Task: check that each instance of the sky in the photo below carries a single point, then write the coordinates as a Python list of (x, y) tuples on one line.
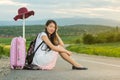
[(48, 9)]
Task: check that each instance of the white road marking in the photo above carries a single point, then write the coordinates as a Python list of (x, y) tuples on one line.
[(101, 63)]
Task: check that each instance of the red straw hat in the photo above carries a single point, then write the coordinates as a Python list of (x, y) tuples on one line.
[(23, 11)]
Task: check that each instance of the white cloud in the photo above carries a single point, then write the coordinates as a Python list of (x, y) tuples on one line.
[(113, 1), (88, 10), (10, 2), (109, 12)]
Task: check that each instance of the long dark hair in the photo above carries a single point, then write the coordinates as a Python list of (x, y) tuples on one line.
[(53, 38)]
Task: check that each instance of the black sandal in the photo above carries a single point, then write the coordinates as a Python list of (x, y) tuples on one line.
[(79, 68)]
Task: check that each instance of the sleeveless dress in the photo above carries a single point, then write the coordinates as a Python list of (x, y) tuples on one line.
[(44, 58)]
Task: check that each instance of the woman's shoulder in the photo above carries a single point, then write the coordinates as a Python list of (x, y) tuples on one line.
[(42, 33)]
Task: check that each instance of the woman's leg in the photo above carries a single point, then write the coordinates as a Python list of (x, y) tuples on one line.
[(69, 59)]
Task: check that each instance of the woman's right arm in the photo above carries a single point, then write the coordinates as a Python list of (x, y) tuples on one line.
[(55, 48)]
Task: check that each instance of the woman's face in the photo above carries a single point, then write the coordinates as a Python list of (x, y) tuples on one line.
[(51, 28)]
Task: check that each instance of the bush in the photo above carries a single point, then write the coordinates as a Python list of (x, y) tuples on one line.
[(77, 41), (103, 37), (1, 50), (117, 37), (110, 38), (6, 50), (88, 39)]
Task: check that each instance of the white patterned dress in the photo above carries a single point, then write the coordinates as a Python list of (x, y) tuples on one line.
[(45, 59)]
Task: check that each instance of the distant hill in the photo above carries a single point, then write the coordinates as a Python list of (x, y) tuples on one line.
[(91, 21), (66, 21)]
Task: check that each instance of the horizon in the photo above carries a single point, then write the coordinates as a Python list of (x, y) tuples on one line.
[(65, 22)]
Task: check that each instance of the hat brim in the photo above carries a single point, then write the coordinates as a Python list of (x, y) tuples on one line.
[(27, 14)]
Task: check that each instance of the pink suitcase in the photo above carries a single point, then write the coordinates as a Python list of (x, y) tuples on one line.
[(17, 53)]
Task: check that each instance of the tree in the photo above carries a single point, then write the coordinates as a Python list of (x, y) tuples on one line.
[(88, 39)]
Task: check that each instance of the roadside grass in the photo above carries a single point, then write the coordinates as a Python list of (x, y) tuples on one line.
[(5, 41), (71, 39), (105, 49), (4, 50)]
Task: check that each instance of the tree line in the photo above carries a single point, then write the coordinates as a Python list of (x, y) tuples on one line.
[(103, 37), (69, 30)]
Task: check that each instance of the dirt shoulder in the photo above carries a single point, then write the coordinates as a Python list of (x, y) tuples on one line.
[(4, 66)]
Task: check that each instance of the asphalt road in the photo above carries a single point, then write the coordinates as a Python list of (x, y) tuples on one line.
[(99, 68)]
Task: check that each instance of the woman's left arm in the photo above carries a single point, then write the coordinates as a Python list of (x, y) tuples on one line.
[(60, 40)]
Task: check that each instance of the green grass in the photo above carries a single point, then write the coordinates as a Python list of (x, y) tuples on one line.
[(106, 49), (6, 41), (66, 40), (71, 39)]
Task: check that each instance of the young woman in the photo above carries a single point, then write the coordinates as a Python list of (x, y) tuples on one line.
[(46, 56)]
